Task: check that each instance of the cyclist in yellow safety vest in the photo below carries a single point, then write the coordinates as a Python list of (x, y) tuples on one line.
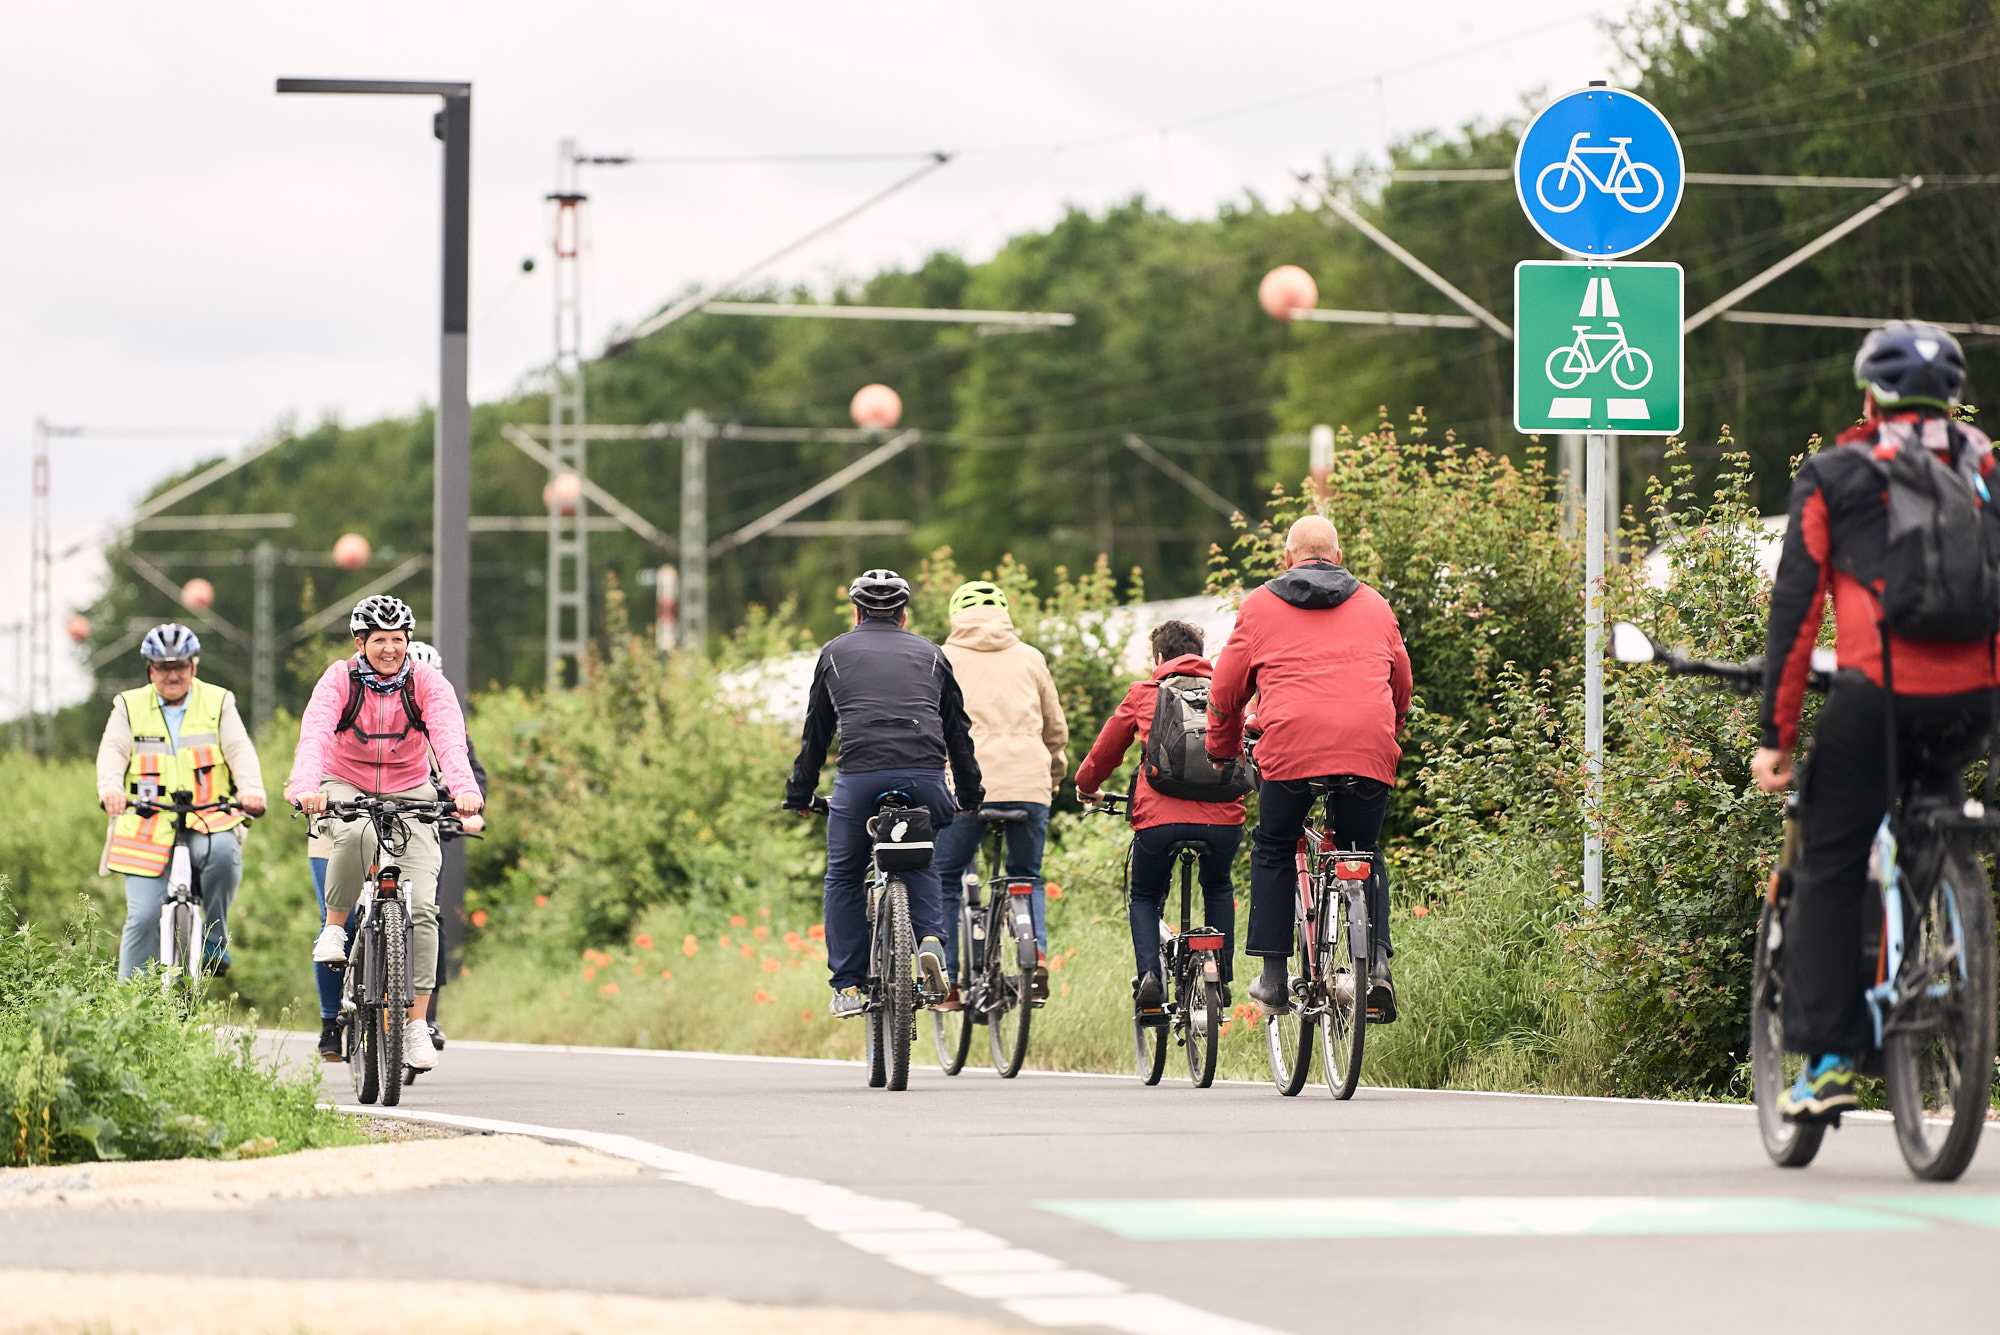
[(175, 733)]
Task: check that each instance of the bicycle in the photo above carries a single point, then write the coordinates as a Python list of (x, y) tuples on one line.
[(1622, 182), (1568, 366), (1928, 978), (894, 990), (183, 928), (378, 987), (994, 984), (1191, 961), (1335, 943)]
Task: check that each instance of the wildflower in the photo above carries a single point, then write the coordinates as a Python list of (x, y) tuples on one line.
[(1065, 990), (666, 975), (749, 951), (760, 931), (1053, 890), (479, 917), (689, 945), (806, 1015), (794, 940), (763, 998), (723, 940), (589, 972), (737, 920), (771, 965), (1056, 963), (817, 931), (608, 990), (764, 911), (541, 901), (644, 941), (1419, 911)]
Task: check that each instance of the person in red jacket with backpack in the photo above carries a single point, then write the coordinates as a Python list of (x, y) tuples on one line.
[(1322, 653), (1159, 821)]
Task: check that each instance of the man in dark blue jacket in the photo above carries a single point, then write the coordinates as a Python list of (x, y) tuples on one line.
[(891, 697)]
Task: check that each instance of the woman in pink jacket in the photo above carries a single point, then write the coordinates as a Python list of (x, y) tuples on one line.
[(372, 725)]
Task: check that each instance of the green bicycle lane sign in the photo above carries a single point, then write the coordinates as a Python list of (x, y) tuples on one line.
[(1597, 347)]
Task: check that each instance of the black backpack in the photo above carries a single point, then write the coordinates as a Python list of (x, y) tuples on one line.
[(1176, 760), (413, 717), (1941, 563)]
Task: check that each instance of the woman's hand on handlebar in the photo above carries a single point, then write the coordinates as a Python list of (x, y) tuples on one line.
[(1771, 768), (313, 804), (468, 804)]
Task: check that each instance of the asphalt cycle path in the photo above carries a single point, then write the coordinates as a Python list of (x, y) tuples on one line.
[(1087, 1202)]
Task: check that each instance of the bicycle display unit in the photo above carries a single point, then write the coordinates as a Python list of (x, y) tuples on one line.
[(1334, 945), (183, 925), (996, 958), (1926, 976), (1190, 967), (378, 986)]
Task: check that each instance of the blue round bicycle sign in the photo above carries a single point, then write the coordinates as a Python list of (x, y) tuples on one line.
[(1599, 172)]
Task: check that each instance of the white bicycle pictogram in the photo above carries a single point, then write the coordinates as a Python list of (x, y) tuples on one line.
[(1630, 367), (1625, 180)]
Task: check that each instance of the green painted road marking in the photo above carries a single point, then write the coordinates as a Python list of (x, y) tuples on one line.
[(1947, 1205), (1280, 1218)]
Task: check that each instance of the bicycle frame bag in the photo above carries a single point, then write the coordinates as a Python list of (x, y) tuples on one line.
[(1176, 760), (903, 838), (1941, 563)]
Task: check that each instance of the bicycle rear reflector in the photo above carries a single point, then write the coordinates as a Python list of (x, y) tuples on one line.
[(1203, 940), (1352, 871), (1020, 887)]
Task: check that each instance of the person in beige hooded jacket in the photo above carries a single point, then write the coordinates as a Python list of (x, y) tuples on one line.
[(1020, 738)]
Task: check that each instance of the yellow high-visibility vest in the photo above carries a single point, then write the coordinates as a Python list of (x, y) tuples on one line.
[(143, 845)]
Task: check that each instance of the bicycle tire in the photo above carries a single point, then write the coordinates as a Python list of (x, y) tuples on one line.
[(899, 1015), (1204, 1027), (1957, 915), (393, 918), (1343, 1025), (182, 982), (951, 1031), (1288, 1037), (1149, 1050), (1012, 994), (1772, 1069), (878, 1064)]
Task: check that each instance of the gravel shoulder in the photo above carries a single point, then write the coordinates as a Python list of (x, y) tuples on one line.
[(52, 1301), (416, 1160)]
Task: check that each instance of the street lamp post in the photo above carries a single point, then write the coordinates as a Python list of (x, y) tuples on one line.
[(451, 511)]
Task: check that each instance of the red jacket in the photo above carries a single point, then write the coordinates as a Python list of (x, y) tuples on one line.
[(1322, 653), (1134, 718), (1835, 542)]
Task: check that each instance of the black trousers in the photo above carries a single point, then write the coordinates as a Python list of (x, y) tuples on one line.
[(1151, 868), (1282, 808), (1843, 796)]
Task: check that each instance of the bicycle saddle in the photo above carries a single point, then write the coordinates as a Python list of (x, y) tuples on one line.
[(996, 816)]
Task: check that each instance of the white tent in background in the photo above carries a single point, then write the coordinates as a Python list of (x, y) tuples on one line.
[(1659, 560)]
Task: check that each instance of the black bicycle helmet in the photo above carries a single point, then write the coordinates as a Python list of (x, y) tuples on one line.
[(1906, 363), (879, 591), (382, 611)]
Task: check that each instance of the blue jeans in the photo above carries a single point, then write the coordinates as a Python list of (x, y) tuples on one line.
[(218, 869), (958, 849), (326, 977), (1152, 883), (847, 864)]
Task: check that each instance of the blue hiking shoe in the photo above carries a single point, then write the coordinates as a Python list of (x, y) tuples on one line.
[(1824, 1088)]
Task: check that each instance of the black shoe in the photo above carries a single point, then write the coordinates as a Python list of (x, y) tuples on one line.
[(437, 1038), (1273, 994), (1381, 992), (329, 1040), (1038, 986), (1149, 995)]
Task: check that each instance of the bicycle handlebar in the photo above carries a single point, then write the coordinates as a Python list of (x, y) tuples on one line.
[(1632, 645), (146, 808), (817, 807), (1112, 804), (361, 808)]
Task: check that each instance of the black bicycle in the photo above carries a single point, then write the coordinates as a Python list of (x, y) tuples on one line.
[(1335, 942), (996, 959), (1190, 965), (379, 988), (184, 930), (1927, 974)]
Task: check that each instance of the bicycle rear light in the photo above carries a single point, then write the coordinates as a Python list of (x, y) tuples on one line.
[(1020, 887), (1203, 940), (1345, 870)]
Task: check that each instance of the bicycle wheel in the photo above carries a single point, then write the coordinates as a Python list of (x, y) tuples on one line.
[(1938, 1041), (951, 1031), (1149, 1050), (1772, 1069), (1202, 1005), (181, 965), (899, 1016), (1344, 978), (1288, 1037), (1009, 994), (395, 986)]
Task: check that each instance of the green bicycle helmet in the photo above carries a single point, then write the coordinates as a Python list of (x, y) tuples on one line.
[(978, 593)]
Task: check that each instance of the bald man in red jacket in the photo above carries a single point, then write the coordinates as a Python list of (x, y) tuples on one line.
[(1323, 655)]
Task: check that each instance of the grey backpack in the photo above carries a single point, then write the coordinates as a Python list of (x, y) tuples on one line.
[(1176, 760)]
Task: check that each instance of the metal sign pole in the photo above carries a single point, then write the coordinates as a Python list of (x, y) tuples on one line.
[(1593, 666)]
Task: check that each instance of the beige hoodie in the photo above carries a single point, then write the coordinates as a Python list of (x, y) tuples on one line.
[(1018, 730)]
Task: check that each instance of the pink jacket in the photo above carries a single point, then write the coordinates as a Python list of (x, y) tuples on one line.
[(384, 765)]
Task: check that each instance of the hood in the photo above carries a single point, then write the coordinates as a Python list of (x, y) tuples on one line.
[(986, 630), (1316, 586), (1187, 665)]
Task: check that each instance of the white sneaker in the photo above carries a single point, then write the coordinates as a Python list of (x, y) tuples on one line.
[(331, 947), (418, 1054)]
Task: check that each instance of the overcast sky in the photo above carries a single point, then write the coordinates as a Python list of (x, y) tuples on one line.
[(196, 258)]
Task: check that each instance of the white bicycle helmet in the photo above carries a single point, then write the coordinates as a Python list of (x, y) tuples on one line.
[(381, 611), (423, 651), (879, 591), (169, 642)]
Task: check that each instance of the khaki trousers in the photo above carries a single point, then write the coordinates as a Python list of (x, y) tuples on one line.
[(354, 851)]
